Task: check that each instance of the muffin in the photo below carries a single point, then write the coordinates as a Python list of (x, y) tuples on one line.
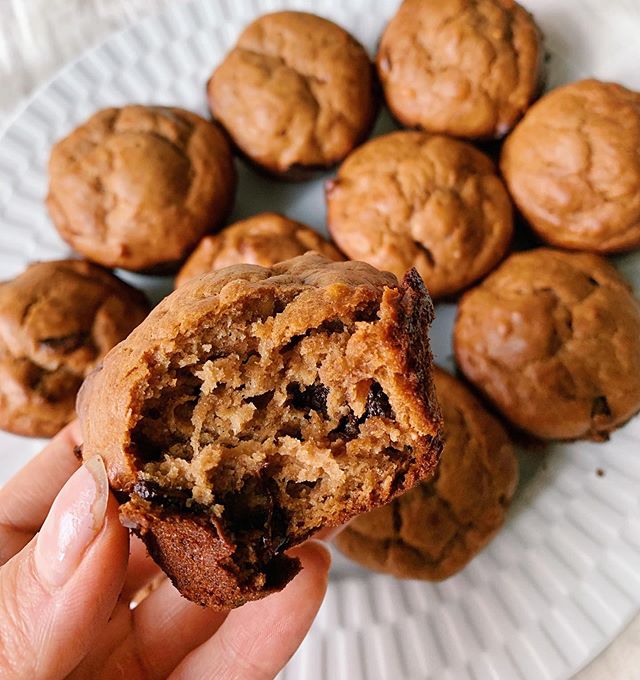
[(572, 167), (295, 94), (257, 405), (409, 199), (263, 239), (434, 530), (552, 338), (57, 320), (466, 68), (137, 187)]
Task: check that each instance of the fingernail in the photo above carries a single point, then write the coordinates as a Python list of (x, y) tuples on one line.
[(75, 519)]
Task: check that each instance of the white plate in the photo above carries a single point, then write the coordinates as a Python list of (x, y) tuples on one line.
[(563, 578)]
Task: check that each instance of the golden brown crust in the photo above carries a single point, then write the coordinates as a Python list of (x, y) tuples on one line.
[(409, 199), (466, 68), (436, 528), (295, 92), (137, 187), (573, 167), (553, 340), (57, 320), (321, 293), (264, 239)]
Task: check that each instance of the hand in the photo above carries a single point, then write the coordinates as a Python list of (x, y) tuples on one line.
[(69, 572)]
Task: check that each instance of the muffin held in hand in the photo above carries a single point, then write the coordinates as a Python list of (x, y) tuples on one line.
[(466, 68), (572, 167), (409, 199), (295, 94), (553, 340), (57, 320), (137, 187), (257, 405), (264, 239), (434, 530)]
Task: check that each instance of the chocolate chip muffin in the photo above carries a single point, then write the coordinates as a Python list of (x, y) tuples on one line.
[(257, 405), (57, 320), (573, 168), (553, 340), (295, 93), (434, 530), (137, 187), (409, 199), (263, 239), (467, 68)]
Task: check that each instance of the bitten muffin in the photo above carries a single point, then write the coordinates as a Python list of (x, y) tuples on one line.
[(295, 94), (552, 338), (467, 68), (137, 187), (409, 199), (573, 168), (264, 239), (57, 320), (434, 530), (257, 405)]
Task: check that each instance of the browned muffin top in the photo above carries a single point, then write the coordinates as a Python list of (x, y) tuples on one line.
[(295, 92), (432, 531), (57, 320), (409, 199), (573, 167), (553, 340), (263, 239), (467, 68), (137, 187)]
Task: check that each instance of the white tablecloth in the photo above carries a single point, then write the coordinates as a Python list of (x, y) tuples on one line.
[(38, 36)]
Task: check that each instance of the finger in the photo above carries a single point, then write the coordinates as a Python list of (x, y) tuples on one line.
[(26, 499), (58, 593), (257, 640), (150, 640)]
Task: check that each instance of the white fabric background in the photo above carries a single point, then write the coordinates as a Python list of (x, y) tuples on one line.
[(37, 37)]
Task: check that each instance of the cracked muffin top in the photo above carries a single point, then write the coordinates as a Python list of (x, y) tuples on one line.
[(263, 239), (409, 199), (466, 68), (573, 167), (137, 187), (553, 340), (432, 531), (57, 320), (295, 93)]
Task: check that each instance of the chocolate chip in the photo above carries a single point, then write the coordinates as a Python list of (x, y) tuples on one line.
[(170, 498), (312, 397), (348, 428), (378, 403)]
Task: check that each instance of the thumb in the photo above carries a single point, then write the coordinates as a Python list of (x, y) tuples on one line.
[(57, 593)]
